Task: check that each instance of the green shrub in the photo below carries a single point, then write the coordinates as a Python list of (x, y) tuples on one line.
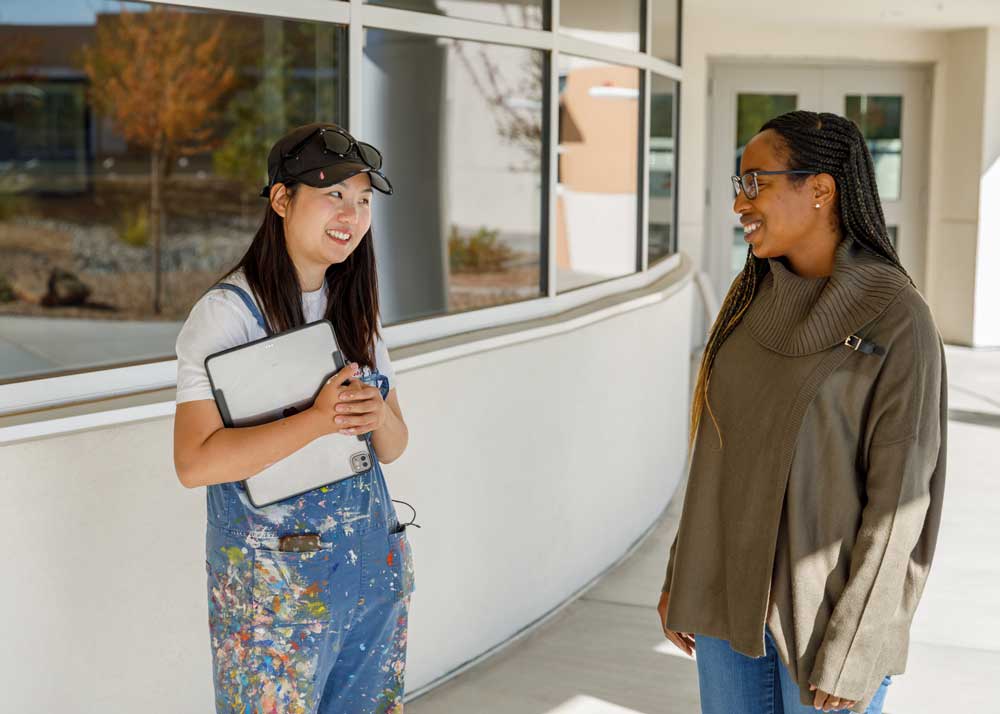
[(12, 205), (479, 253), (6, 291), (133, 226)]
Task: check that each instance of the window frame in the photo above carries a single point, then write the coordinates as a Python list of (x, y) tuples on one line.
[(30, 394)]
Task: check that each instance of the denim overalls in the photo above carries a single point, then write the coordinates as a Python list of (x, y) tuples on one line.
[(321, 631)]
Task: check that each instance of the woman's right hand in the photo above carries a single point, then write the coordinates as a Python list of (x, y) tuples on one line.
[(683, 640), (325, 406)]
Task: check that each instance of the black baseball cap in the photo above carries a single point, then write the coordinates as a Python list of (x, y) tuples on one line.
[(322, 155)]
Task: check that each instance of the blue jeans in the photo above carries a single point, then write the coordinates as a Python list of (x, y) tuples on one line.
[(732, 683)]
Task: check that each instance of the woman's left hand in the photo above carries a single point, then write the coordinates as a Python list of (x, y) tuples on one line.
[(828, 702), (361, 409)]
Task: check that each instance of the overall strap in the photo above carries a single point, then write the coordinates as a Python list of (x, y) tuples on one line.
[(383, 385), (248, 301)]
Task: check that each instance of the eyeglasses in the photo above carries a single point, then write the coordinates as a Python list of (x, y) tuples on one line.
[(748, 181), (340, 143)]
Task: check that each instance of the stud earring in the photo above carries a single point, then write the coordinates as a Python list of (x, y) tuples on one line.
[(817, 205)]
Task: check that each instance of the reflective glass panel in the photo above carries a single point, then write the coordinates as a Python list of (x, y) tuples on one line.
[(881, 121), (460, 125), (894, 236), (665, 21), (610, 23), (597, 188), (755, 110), (662, 168), (737, 252), (529, 14), (133, 142)]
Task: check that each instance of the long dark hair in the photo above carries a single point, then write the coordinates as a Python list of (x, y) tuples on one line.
[(833, 145), (353, 306)]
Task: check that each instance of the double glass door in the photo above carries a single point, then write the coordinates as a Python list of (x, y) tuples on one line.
[(891, 105)]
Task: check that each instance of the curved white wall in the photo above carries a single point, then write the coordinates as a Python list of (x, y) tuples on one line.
[(533, 467)]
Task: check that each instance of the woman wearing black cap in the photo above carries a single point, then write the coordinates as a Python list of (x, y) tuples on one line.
[(321, 626)]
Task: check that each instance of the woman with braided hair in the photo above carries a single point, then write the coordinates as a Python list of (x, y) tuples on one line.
[(816, 481)]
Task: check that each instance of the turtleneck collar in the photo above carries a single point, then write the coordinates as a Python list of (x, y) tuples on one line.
[(797, 316)]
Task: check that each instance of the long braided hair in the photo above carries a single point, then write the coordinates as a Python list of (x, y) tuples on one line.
[(830, 144)]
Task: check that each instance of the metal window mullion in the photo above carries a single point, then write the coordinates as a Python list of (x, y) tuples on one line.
[(644, 144), (553, 156), (424, 23), (646, 45), (600, 52), (680, 35), (318, 10), (660, 66), (341, 12), (644, 139), (675, 183), (355, 68)]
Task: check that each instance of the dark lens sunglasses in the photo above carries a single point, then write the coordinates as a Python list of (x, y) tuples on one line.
[(748, 181), (340, 143)]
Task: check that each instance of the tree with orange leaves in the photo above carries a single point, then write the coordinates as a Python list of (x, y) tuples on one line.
[(160, 78)]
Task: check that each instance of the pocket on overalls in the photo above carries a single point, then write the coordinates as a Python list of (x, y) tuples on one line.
[(400, 561), (387, 566), (402, 557), (293, 588)]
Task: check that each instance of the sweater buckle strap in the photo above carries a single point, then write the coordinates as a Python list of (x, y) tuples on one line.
[(859, 344)]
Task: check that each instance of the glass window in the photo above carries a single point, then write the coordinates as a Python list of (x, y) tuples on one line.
[(596, 224), (893, 236), (752, 112), (529, 14), (755, 110), (460, 124), (881, 121), (665, 19), (611, 23), (107, 237), (738, 252), (662, 168)]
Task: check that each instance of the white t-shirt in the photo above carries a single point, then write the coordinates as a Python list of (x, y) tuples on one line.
[(220, 320)]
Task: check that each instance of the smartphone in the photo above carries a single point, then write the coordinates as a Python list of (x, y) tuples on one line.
[(299, 543)]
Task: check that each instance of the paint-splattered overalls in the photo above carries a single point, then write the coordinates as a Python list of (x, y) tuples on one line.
[(322, 631)]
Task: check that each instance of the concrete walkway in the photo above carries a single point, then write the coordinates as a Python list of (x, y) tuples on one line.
[(604, 653)]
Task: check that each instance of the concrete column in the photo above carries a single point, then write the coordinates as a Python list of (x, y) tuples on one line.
[(405, 114), (963, 254), (986, 325)]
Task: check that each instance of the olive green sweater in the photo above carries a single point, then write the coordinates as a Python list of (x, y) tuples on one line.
[(819, 513)]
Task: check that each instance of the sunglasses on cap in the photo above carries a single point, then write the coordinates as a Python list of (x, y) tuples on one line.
[(340, 143), (325, 147)]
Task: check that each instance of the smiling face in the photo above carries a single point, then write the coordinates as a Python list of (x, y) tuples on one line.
[(324, 226), (779, 221)]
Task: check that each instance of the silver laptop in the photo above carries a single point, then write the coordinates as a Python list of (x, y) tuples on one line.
[(273, 378)]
